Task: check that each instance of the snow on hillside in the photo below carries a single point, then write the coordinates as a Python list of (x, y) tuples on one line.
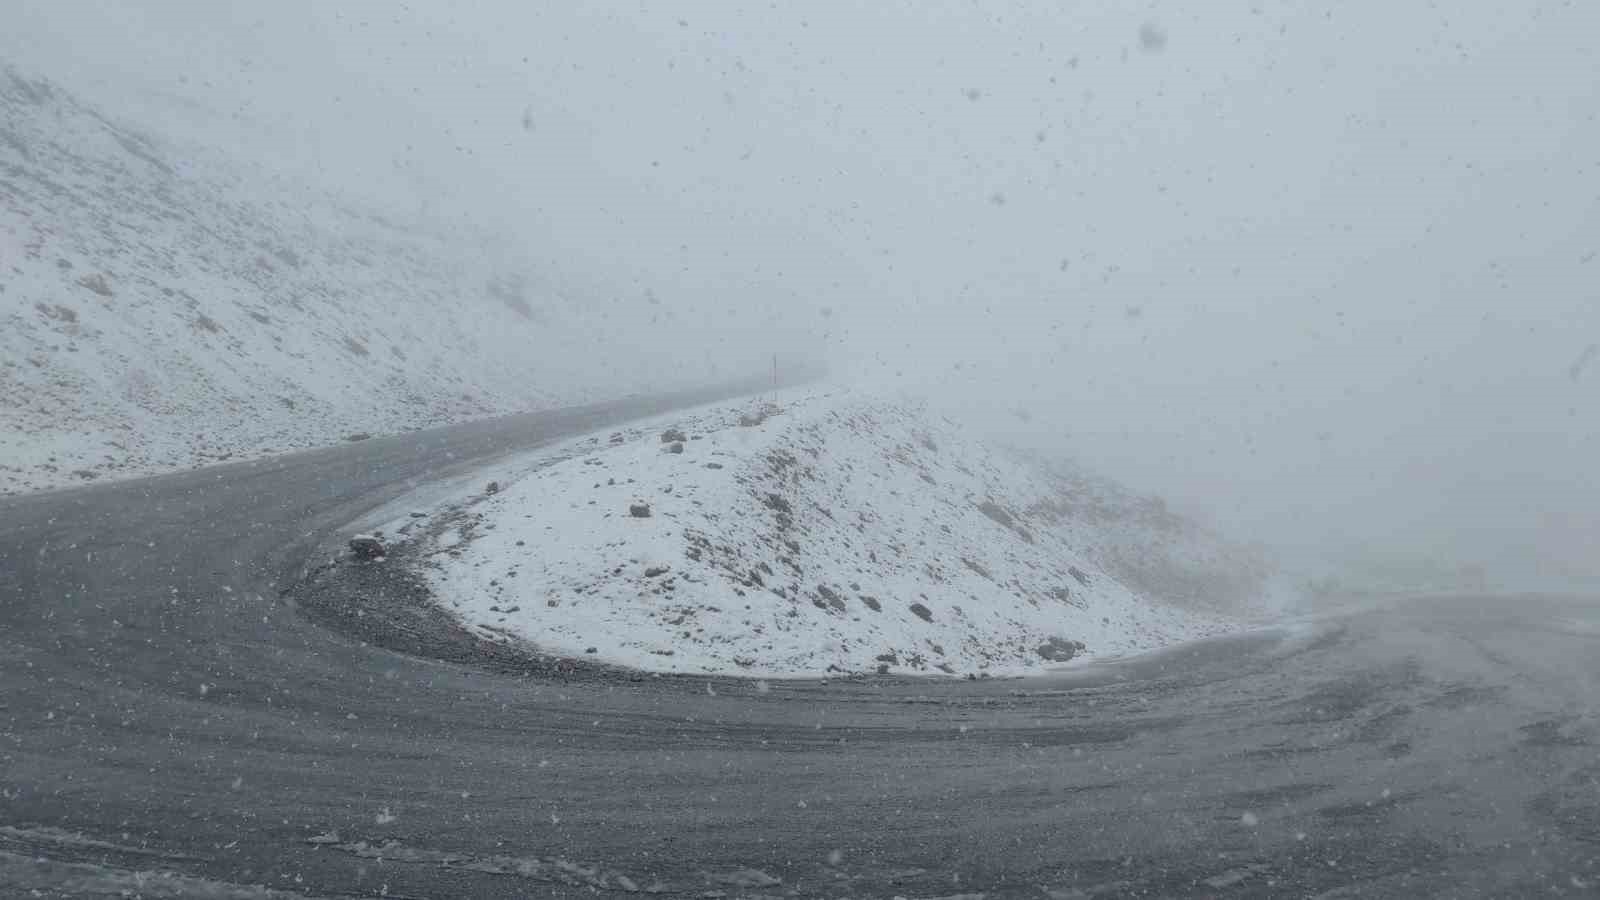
[(827, 533), (1160, 553), (162, 306)]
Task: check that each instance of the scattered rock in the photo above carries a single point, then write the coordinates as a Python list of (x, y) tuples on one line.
[(872, 603), (675, 447), (759, 415), (922, 612), (978, 568), (492, 487), (655, 571), (1077, 573), (97, 283), (358, 436), (673, 436), (418, 515), (592, 650), (713, 465), (365, 546), (639, 510), (1003, 517), (1060, 649), (883, 668)]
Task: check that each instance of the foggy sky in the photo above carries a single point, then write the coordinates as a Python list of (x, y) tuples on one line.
[(1323, 272)]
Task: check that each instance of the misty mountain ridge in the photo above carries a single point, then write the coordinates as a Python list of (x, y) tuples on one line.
[(167, 306)]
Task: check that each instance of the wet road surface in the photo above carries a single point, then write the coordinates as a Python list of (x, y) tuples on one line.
[(171, 726)]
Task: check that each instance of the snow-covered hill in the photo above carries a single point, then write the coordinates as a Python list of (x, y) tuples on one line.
[(830, 532), (162, 306)]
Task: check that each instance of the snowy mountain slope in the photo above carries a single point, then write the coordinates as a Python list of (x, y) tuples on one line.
[(162, 306), (1158, 552), (840, 533)]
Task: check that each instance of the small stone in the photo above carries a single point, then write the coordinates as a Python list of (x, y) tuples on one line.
[(639, 510), (655, 571), (592, 650), (922, 612), (673, 436), (492, 487), (675, 447)]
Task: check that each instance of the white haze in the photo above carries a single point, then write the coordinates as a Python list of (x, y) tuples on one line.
[(1325, 272)]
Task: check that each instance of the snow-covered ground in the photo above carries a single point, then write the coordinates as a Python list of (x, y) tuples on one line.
[(163, 305), (827, 532)]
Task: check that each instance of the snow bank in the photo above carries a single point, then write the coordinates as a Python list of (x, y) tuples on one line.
[(830, 532)]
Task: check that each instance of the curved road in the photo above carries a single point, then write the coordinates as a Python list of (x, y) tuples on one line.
[(170, 727)]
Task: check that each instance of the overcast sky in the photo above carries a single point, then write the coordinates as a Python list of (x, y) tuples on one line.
[(1325, 271)]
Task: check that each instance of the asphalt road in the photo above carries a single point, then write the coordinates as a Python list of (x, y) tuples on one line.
[(170, 726)]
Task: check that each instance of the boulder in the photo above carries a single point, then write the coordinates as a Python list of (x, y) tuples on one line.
[(365, 546), (673, 436), (639, 510), (1059, 649)]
